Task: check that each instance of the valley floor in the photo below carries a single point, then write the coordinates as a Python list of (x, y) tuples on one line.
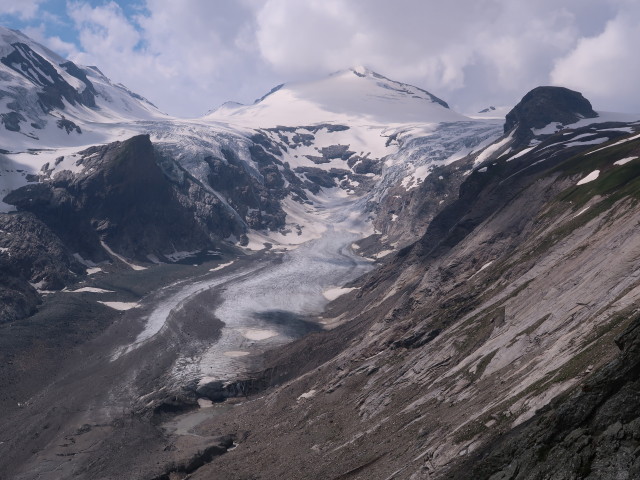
[(177, 331)]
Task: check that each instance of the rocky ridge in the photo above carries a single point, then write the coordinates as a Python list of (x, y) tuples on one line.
[(593, 433)]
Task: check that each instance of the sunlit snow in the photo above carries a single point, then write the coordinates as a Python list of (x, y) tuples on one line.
[(624, 161), (120, 305), (589, 178)]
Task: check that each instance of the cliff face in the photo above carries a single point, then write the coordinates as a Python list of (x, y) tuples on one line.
[(31, 257)]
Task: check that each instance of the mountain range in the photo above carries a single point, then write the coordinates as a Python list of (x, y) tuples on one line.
[(345, 279)]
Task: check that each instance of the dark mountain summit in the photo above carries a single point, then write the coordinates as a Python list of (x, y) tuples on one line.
[(544, 105)]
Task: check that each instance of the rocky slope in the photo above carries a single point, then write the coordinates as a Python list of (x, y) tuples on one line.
[(593, 433), (513, 296), (31, 258), (544, 105)]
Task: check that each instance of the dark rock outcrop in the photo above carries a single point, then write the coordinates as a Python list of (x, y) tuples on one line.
[(11, 121), (256, 198), (544, 105), (68, 126), (124, 198), (30, 254)]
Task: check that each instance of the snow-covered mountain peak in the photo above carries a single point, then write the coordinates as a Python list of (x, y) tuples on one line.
[(9, 37), (355, 95), (361, 70), (49, 100)]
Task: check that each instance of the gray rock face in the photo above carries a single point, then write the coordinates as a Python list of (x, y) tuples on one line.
[(592, 434), (11, 121), (257, 201), (544, 105), (30, 254), (123, 198)]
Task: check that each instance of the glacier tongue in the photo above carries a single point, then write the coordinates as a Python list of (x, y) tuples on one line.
[(270, 307)]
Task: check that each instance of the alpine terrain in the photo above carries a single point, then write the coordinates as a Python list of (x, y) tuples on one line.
[(345, 279)]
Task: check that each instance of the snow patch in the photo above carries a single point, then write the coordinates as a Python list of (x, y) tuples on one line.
[(333, 293), (624, 161), (236, 353), (89, 290), (205, 403), (221, 266), (483, 267), (121, 258), (383, 253), (83, 261), (491, 149), (257, 334), (589, 178), (521, 153), (616, 144), (120, 305), (595, 141), (307, 395), (581, 212)]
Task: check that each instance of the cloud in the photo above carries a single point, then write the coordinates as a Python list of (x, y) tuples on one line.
[(509, 46), (104, 29), (187, 57), (190, 56), (606, 67), (55, 43), (23, 9)]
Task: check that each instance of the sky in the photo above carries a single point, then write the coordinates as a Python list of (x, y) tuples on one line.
[(190, 56)]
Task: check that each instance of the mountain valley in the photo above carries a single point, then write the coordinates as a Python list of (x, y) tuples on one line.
[(346, 279)]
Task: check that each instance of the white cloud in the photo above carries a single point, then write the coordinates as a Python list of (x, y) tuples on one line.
[(606, 67), (442, 46), (24, 9), (190, 56), (55, 43), (184, 56), (104, 29)]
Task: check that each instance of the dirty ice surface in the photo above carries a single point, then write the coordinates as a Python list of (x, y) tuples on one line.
[(263, 305), (272, 306)]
